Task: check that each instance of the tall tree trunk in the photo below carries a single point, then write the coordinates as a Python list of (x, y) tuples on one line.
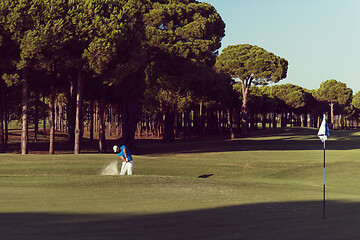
[(218, 117), (6, 117), (52, 113), (91, 120), (251, 122), (238, 120), (256, 121), (56, 114), (102, 105), (111, 120), (6, 125), (119, 121), (184, 124), (78, 115), (168, 124), (274, 122), (228, 117), (177, 125), (305, 120), (71, 112), (96, 117), (60, 116), (36, 115), (202, 119), (332, 115), (44, 115), (25, 102), (245, 90), (263, 122), (318, 121), (283, 120), (147, 122), (129, 120), (311, 120), (2, 113)]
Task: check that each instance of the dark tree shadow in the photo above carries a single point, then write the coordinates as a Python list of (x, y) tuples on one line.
[(205, 176), (279, 220), (268, 139)]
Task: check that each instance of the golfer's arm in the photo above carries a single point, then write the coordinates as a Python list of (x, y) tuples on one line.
[(125, 153)]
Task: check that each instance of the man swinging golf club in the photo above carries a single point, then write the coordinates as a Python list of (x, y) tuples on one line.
[(127, 161)]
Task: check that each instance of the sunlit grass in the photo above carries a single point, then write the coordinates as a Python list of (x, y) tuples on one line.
[(190, 176)]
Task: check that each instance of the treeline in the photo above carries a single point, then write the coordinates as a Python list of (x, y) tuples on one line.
[(125, 52), (145, 67)]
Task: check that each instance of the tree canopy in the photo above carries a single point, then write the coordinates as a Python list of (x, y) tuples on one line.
[(150, 64), (251, 65), (334, 92)]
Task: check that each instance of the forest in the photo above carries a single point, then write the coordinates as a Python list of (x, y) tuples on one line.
[(145, 68)]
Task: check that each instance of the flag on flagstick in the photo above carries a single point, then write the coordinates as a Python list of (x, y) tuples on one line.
[(324, 131), (323, 134)]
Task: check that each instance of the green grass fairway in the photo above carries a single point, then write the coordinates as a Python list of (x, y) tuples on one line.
[(267, 186)]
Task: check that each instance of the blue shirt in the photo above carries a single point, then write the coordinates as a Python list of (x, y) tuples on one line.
[(121, 153)]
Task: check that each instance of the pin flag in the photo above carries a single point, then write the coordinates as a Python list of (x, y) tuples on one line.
[(324, 131), (324, 134)]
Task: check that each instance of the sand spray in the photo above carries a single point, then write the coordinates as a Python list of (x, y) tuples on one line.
[(111, 169)]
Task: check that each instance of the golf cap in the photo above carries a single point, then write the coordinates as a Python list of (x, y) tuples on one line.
[(115, 147)]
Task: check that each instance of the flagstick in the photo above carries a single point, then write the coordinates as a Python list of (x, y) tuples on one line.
[(323, 134), (324, 185)]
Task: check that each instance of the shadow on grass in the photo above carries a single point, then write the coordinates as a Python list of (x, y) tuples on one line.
[(205, 175), (288, 220), (267, 139), (157, 147)]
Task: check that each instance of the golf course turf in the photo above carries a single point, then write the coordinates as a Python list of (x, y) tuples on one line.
[(266, 186)]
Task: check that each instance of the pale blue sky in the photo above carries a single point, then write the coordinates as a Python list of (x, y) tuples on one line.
[(319, 38)]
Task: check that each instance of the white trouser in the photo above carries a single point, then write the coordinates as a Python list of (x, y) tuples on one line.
[(126, 167)]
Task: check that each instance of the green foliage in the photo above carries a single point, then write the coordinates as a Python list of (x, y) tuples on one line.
[(181, 100), (290, 95), (252, 64), (256, 99), (356, 101), (260, 99), (312, 104), (20, 19), (332, 91), (184, 28), (112, 31), (270, 103), (159, 51), (9, 50), (182, 39), (11, 79)]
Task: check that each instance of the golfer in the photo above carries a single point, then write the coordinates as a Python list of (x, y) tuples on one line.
[(127, 160)]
